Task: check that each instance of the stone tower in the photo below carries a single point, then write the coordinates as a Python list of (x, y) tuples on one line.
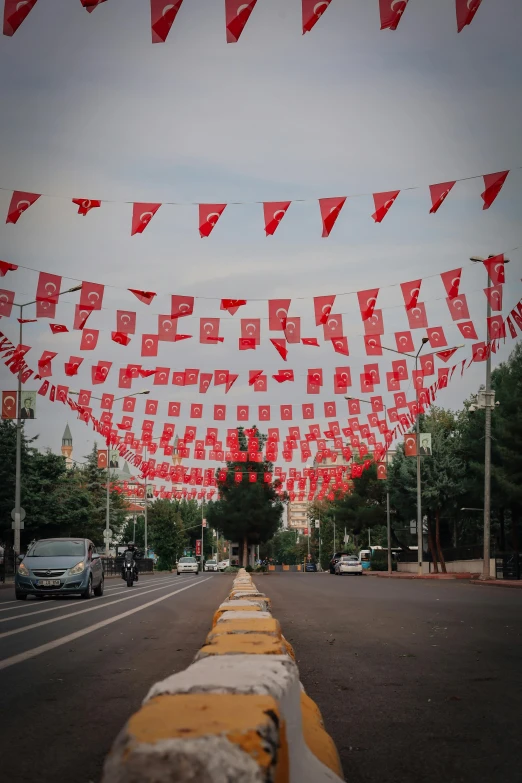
[(67, 446)]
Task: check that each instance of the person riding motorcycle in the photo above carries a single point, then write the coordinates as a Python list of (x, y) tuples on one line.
[(131, 548)]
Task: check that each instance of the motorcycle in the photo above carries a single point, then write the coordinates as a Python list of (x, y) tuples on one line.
[(129, 570)]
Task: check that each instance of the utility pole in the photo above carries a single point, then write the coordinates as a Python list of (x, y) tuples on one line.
[(108, 504), (202, 533), (145, 509), (334, 533)]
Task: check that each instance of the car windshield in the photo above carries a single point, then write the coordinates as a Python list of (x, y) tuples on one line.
[(211, 562), (57, 549), (187, 560)]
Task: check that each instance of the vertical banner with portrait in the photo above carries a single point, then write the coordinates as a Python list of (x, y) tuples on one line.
[(114, 459), (28, 410), (425, 444)]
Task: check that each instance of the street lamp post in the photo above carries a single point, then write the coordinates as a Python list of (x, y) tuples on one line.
[(19, 425), (487, 441)]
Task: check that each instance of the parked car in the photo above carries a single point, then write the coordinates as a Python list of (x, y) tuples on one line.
[(348, 564), (60, 566), (223, 565), (187, 565), (337, 556), (310, 567), (211, 565)]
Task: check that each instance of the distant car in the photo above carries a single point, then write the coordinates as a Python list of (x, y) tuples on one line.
[(223, 565), (310, 567), (60, 566), (187, 565), (211, 565), (337, 556), (348, 564)]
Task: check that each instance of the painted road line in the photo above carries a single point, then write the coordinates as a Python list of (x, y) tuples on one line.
[(5, 634), (25, 656), (70, 604)]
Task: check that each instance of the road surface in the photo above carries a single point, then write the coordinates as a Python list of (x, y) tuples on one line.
[(418, 681), (72, 671)]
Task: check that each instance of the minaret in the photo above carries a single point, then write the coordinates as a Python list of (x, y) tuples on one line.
[(67, 447)]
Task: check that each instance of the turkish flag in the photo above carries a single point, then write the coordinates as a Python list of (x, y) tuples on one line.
[(100, 372), (410, 293), (330, 409), (178, 378), (392, 381), (479, 352), (89, 339), (251, 329), (125, 321), (196, 411), (391, 13), (102, 459), (58, 328), (81, 315), (280, 347), (44, 364), (330, 209), (438, 194), (372, 371), (232, 305), (48, 288), (458, 307), (120, 338), (343, 377), (404, 342), (284, 375), (310, 341), (496, 327), (466, 10), (91, 295), (181, 306), (274, 212), (366, 383), (221, 377), (151, 407), (383, 201), (367, 302), (494, 297), (493, 185), (451, 281), (340, 345), (124, 380), (205, 379), (6, 267), (373, 346), (315, 377), (277, 314), (322, 308), (237, 15), (162, 16), (312, 12), (446, 355), (417, 317), (71, 367), (167, 328), (174, 408), (512, 329), (85, 204), (9, 405), (232, 378), (149, 344), (264, 412), (209, 215), (107, 401), (191, 377), (242, 412), (144, 296), (427, 364), (293, 330), (20, 201), (260, 383), (219, 412), (6, 302), (209, 331), (247, 344), (308, 410), (496, 269), (410, 445), (436, 336), (286, 413), (15, 13), (90, 5), (382, 473), (142, 214), (333, 328)]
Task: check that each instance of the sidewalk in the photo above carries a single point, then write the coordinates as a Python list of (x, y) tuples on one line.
[(516, 583), (396, 575)]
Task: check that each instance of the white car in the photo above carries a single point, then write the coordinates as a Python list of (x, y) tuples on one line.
[(223, 564), (187, 565), (211, 565), (348, 564)]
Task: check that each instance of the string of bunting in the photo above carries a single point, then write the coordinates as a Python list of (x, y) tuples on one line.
[(237, 13)]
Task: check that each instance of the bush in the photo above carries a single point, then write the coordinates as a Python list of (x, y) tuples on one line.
[(381, 564), (261, 569), (231, 570), (249, 569)]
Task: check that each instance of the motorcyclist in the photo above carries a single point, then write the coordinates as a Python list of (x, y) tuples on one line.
[(131, 548)]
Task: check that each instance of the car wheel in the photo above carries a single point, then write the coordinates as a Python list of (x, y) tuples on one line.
[(20, 596), (88, 592), (98, 591), (177, 573)]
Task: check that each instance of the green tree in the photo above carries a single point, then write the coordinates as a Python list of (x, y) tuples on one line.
[(247, 511), (166, 532)]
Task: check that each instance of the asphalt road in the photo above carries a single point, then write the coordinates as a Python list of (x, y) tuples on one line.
[(72, 671), (417, 681)]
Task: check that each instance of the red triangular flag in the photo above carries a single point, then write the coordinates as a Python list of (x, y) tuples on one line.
[(6, 267), (330, 209), (493, 185), (446, 355), (237, 15), (391, 13), (230, 382), (57, 328), (85, 204), (466, 10), (20, 203), (90, 5), (383, 202), (232, 305), (162, 16), (274, 212), (312, 12), (209, 215), (280, 346), (14, 14), (310, 341), (144, 296), (438, 194), (142, 214), (496, 269)]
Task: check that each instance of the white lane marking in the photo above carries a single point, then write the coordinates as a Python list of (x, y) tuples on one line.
[(70, 604), (78, 634), (15, 631)]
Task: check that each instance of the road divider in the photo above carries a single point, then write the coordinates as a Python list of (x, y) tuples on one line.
[(238, 713)]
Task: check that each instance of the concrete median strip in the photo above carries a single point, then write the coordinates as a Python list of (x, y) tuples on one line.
[(238, 714)]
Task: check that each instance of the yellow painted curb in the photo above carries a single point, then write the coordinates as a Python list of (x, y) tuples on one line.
[(316, 738), (244, 644), (219, 612), (263, 625)]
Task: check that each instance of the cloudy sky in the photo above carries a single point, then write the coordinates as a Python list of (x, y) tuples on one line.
[(91, 109)]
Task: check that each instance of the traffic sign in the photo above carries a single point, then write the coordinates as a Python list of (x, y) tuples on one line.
[(18, 519), (317, 523), (107, 535), (22, 514)]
